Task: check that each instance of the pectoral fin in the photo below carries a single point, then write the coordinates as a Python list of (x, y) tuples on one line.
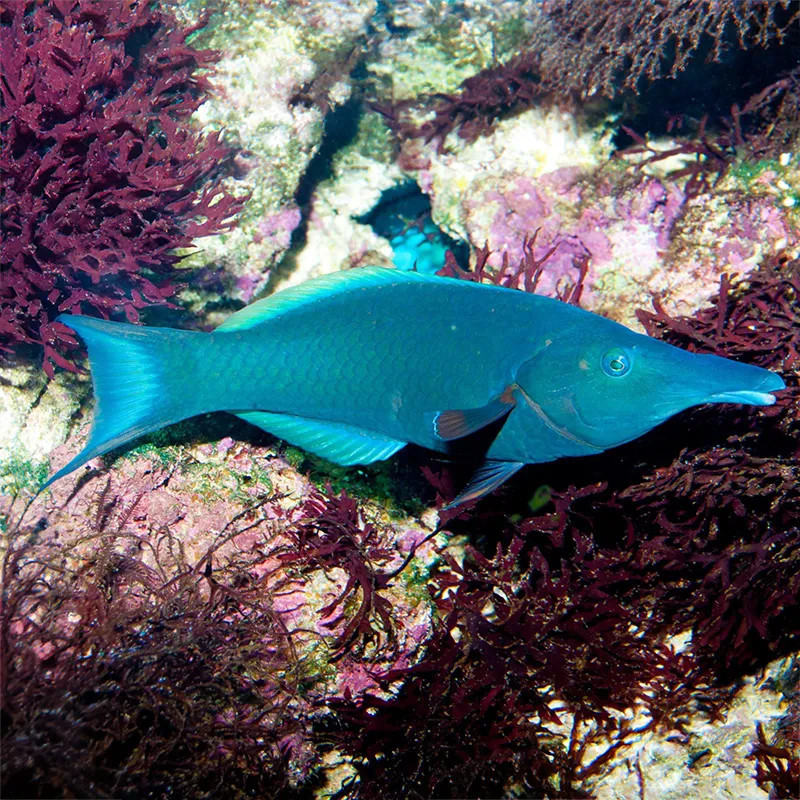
[(457, 423), (487, 478)]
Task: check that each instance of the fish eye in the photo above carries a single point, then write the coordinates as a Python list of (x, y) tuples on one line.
[(616, 362)]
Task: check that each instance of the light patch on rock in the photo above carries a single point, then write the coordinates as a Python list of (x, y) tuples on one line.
[(35, 414), (709, 762), (530, 144)]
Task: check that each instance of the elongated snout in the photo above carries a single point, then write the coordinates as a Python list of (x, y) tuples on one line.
[(724, 381)]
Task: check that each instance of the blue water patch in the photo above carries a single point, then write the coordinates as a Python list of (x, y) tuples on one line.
[(403, 216)]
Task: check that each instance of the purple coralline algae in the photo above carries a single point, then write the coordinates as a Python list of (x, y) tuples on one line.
[(644, 232)]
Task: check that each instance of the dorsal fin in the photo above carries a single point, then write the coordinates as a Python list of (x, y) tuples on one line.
[(324, 286)]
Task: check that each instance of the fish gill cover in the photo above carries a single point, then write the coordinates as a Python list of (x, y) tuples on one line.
[(103, 175)]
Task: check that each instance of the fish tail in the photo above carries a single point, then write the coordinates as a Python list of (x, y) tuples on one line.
[(140, 381)]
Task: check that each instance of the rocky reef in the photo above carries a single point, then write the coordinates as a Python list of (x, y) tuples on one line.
[(213, 612)]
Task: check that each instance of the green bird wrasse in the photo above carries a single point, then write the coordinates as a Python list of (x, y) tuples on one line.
[(355, 365)]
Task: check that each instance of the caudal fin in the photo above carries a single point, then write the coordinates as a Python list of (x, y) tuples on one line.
[(140, 381)]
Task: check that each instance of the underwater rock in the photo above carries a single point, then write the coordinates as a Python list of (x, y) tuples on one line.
[(704, 759), (644, 233), (361, 169), (36, 416), (431, 47), (283, 66)]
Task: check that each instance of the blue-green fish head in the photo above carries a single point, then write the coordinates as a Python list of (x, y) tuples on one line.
[(606, 385)]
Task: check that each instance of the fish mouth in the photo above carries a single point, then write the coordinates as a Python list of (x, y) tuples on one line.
[(744, 396), (761, 395)]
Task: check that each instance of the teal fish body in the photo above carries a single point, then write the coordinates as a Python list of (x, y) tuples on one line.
[(355, 365)]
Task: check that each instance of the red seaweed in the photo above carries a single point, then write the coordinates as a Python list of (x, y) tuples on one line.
[(128, 672), (582, 49), (333, 533), (103, 176)]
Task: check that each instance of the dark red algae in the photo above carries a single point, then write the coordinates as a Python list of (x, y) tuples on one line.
[(129, 672), (565, 615), (582, 50), (103, 174)]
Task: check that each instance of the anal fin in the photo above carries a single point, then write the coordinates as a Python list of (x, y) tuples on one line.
[(340, 443), (486, 479)]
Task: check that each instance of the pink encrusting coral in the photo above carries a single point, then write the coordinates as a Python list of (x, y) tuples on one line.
[(274, 234), (280, 225), (642, 235), (103, 175)]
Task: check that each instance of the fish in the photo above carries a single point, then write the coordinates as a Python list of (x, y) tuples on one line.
[(355, 365)]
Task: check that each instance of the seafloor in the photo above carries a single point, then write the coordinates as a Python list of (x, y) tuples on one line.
[(215, 613)]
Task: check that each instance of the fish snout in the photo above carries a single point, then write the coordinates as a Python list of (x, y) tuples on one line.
[(743, 383)]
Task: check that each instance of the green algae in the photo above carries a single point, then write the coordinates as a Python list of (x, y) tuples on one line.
[(212, 477), (747, 171), (415, 579), (374, 140), (778, 178), (440, 55), (217, 481), (372, 482), (294, 456), (541, 497), (165, 446), (314, 666), (21, 475), (381, 482)]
